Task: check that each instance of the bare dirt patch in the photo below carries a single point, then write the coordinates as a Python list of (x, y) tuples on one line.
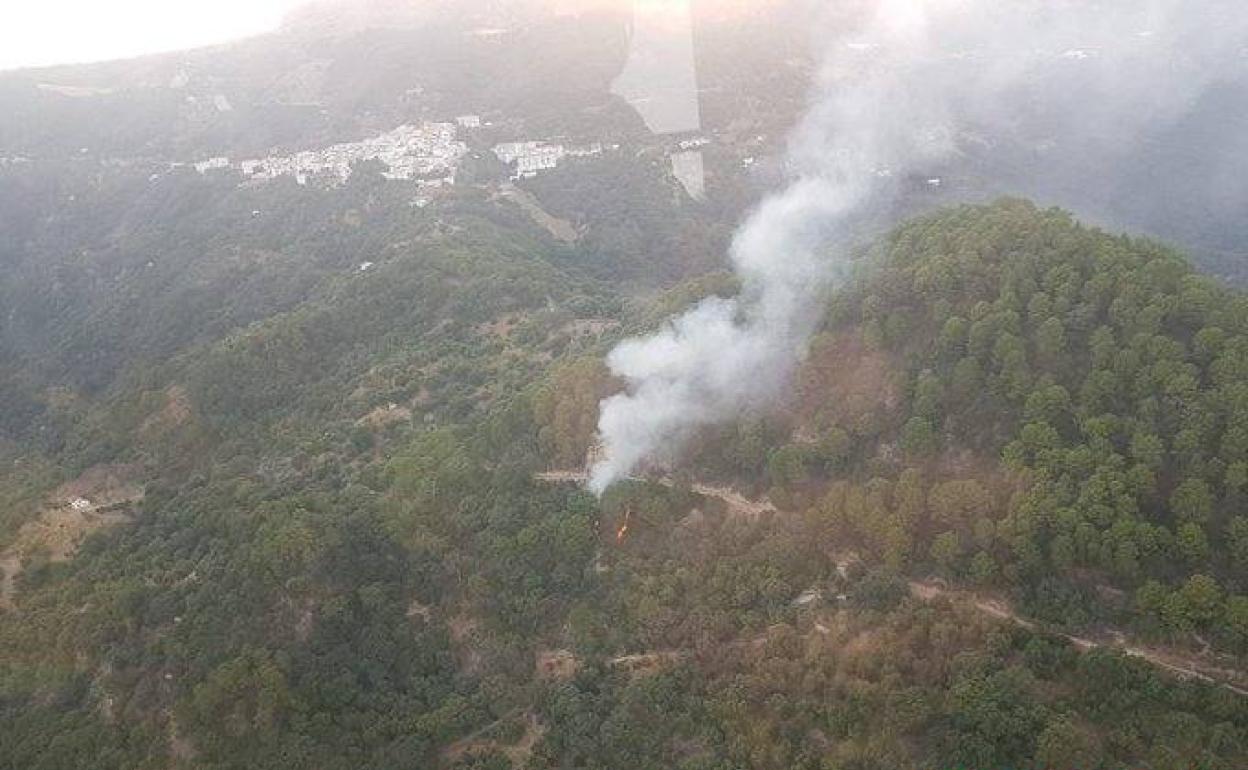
[(385, 416), (500, 327), (643, 664), (99, 498), (557, 665), (463, 629), (560, 229), (103, 486), (589, 327)]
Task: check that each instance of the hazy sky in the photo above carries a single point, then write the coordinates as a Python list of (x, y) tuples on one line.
[(38, 32)]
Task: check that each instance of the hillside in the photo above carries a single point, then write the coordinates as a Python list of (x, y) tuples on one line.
[(1106, 375), (341, 557), (303, 347)]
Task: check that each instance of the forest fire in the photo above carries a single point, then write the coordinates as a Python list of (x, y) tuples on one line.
[(622, 533)]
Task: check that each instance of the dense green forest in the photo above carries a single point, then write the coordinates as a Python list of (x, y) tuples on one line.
[(341, 558), (1108, 379)]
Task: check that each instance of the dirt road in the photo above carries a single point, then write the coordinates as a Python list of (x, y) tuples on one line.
[(1185, 667), (737, 503)]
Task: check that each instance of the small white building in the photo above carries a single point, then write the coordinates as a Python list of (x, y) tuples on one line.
[(808, 597), (532, 158), (469, 121), (543, 159), (508, 152), (212, 164), (80, 504)]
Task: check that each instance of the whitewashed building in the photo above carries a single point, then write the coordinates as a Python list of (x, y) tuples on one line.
[(531, 158), (540, 160), (212, 164)]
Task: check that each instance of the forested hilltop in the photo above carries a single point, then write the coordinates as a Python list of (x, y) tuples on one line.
[(1089, 395), (312, 530)]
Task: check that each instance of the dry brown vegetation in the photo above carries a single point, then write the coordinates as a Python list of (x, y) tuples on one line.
[(59, 529), (384, 416), (861, 378), (557, 665)]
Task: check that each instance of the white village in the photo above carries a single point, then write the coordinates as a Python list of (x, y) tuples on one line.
[(428, 153)]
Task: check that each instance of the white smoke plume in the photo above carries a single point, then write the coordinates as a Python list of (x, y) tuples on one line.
[(902, 82)]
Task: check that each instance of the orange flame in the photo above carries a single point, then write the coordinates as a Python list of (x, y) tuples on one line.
[(623, 530)]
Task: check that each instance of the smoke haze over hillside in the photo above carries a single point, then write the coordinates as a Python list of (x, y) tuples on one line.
[(909, 85)]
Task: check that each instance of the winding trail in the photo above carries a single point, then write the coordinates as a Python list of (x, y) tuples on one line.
[(738, 504), (1182, 666), (477, 741)]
